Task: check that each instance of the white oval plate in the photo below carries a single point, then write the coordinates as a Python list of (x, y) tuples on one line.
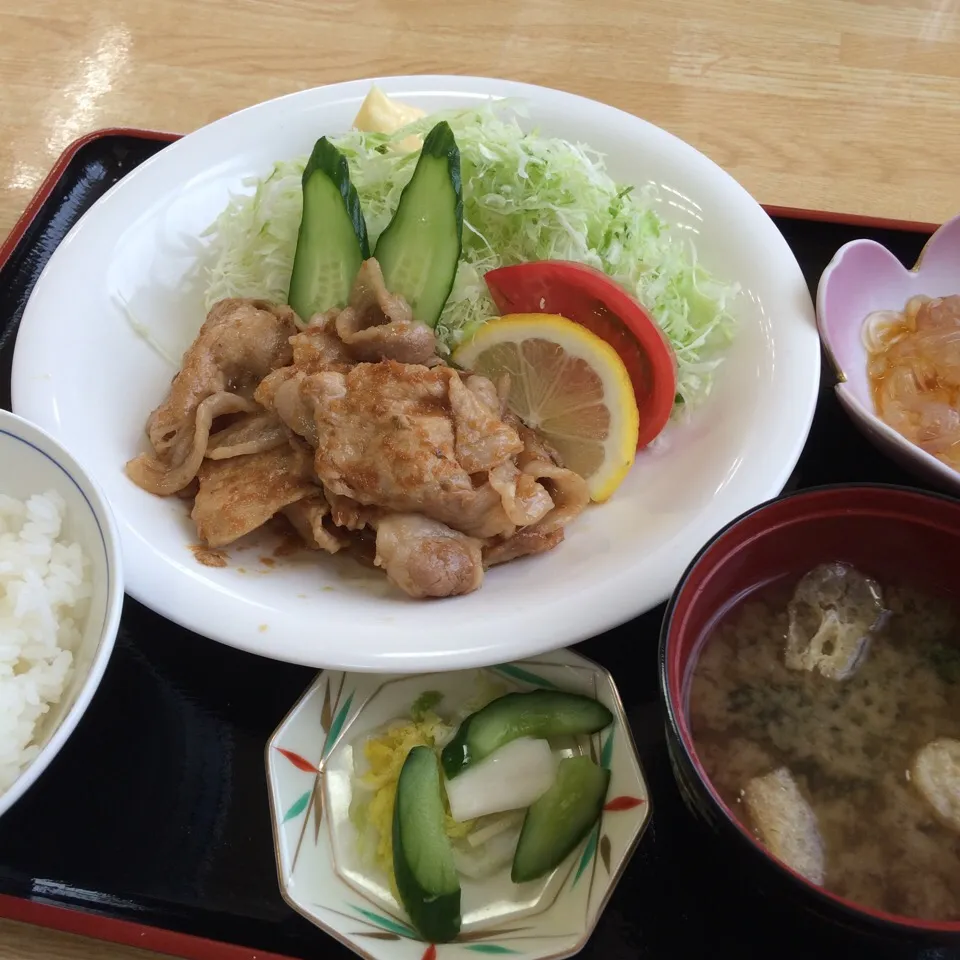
[(81, 373)]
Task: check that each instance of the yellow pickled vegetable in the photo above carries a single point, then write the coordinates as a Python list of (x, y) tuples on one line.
[(385, 753)]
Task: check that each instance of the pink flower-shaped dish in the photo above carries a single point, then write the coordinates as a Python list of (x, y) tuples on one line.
[(864, 277)]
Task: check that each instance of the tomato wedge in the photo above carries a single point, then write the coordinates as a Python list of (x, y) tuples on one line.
[(589, 297)]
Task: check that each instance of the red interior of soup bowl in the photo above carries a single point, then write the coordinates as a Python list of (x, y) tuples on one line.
[(889, 533)]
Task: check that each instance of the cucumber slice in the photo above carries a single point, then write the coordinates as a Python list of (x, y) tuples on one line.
[(332, 242), (422, 856), (557, 822), (419, 251), (539, 713)]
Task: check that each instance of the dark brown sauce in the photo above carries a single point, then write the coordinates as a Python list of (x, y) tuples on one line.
[(848, 744), (290, 544), (207, 556)]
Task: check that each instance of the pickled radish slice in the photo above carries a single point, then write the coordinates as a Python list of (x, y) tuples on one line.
[(509, 778)]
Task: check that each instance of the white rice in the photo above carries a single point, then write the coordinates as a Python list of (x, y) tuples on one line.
[(45, 591)]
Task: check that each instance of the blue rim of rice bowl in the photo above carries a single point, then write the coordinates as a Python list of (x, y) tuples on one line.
[(80, 490)]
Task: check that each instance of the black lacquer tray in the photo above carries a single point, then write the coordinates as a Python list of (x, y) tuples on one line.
[(152, 828)]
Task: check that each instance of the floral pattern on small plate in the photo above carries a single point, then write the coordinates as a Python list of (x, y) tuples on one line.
[(863, 277), (323, 877)]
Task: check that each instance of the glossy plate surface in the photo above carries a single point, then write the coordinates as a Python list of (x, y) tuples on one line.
[(82, 373)]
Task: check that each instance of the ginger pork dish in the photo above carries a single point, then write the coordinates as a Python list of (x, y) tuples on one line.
[(362, 437), (430, 347)]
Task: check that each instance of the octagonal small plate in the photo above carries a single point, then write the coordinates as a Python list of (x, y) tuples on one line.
[(323, 875)]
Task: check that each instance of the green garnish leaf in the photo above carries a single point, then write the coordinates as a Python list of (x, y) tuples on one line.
[(426, 703)]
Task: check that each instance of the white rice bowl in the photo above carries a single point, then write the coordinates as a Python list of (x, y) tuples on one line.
[(45, 590), (61, 596)]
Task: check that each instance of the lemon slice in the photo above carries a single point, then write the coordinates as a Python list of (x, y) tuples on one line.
[(566, 383)]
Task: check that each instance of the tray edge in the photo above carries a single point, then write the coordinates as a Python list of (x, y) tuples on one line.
[(158, 939), (126, 932), (50, 181)]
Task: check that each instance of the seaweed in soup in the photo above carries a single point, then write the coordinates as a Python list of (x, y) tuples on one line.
[(848, 743)]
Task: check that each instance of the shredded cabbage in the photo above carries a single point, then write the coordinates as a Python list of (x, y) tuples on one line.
[(526, 197)]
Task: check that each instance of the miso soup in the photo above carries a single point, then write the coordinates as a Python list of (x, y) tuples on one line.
[(850, 775)]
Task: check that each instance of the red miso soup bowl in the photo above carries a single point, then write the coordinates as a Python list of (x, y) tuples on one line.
[(892, 534)]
